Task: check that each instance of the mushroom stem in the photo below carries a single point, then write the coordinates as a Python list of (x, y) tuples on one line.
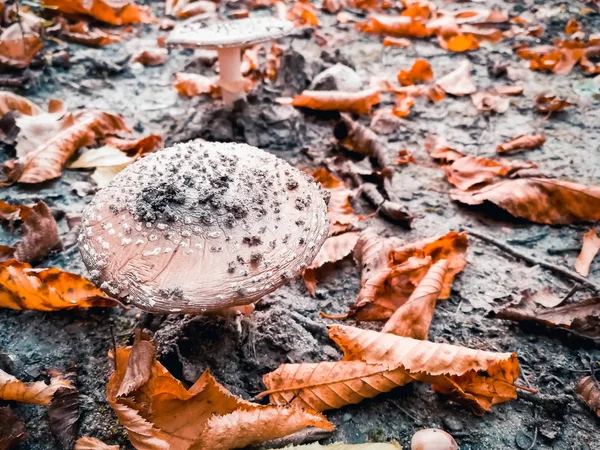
[(231, 80)]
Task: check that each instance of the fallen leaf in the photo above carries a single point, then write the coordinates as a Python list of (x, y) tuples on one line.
[(39, 230), (375, 362), (399, 26), (509, 90), (63, 412), (404, 103), (339, 210), (419, 72), (12, 429), (17, 50), (572, 27), (38, 393), (575, 317), (459, 43), (105, 156), (191, 84), (51, 289), (159, 413), (137, 146), (81, 33), (387, 208), (523, 142), (390, 41), (115, 12), (540, 200), (550, 104), (589, 249), (359, 102), (13, 102), (303, 14), (459, 81), (90, 443), (588, 391), (196, 8), (413, 318), (490, 101), (151, 57)]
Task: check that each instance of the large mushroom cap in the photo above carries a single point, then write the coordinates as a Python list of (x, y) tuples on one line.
[(202, 226), (232, 33)]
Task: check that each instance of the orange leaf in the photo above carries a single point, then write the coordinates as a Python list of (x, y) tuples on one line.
[(191, 84), (572, 27), (509, 90), (13, 102), (419, 72), (588, 391), (47, 289), (196, 8), (459, 81), (303, 14), (414, 317), (115, 12), (460, 43), (17, 50), (81, 33), (541, 200), (589, 249), (399, 26), (151, 57), (38, 393), (523, 142), (340, 211), (141, 146), (90, 443), (390, 41), (404, 103), (359, 102)]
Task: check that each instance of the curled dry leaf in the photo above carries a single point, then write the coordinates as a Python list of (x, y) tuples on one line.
[(13, 102), (151, 57), (459, 81), (38, 393), (588, 391), (63, 412), (375, 362), (159, 413), (196, 8), (17, 50), (490, 101), (191, 84), (589, 249), (404, 103), (390, 41), (81, 33), (303, 13), (541, 200), (90, 443), (414, 317), (340, 211), (47, 289), (360, 102), (459, 42), (550, 104), (392, 210), (420, 72), (12, 429), (115, 12), (572, 26), (523, 142), (398, 26), (39, 230)]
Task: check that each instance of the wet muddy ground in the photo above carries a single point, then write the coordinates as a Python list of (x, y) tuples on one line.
[(287, 326)]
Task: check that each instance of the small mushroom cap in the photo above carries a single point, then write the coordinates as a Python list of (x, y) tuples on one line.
[(231, 33), (202, 226), (432, 439)]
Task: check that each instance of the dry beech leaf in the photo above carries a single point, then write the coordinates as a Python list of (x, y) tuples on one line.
[(105, 156), (523, 142), (14, 102), (541, 200), (339, 210), (589, 249), (39, 230), (38, 393), (17, 50), (398, 26), (63, 412), (137, 146), (420, 72), (303, 14), (387, 208), (90, 443), (360, 102), (115, 12), (588, 391), (391, 271), (550, 104), (414, 317), (47, 289), (459, 42), (196, 8), (404, 103), (509, 90), (191, 84), (572, 27), (12, 429), (159, 413), (490, 101), (81, 33), (375, 362), (581, 318), (390, 41), (151, 57), (459, 81)]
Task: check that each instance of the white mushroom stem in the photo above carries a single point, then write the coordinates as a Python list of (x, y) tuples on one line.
[(231, 80)]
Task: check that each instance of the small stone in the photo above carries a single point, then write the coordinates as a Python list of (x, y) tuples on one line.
[(347, 417), (452, 423), (337, 78)]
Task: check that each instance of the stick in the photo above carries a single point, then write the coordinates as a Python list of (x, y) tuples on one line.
[(528, 259)]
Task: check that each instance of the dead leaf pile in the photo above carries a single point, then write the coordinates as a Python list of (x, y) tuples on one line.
[(159, 413), (114, 12)]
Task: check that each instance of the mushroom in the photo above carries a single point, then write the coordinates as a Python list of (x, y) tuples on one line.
[(202, 226), (432, 439), (228, 38)]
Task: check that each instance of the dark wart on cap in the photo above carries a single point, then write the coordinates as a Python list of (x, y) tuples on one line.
[(228, 38), (202, 226)]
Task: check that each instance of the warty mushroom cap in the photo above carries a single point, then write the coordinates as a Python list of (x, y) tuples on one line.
[(227, 34), (202, 226)]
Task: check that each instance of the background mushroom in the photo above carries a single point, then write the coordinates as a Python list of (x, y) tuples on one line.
[(228, 38), (202, 226)]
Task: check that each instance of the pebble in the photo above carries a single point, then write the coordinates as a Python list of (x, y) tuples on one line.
[(337, 78)]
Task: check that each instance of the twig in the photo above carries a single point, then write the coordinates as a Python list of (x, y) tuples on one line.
[(298, 438), (526, 389), (571, 293), (114, 343), (535, 432), (528, 259)]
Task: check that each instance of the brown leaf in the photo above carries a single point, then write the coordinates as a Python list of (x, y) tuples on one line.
[(81, 33), (572, 26), (13, 102), (139, 366), (115, 12), (459, 42), (419, 72), (47, 289), (414, 317), (550, 104), (588, 391), (12, 429), (392, 210), (378, 362), (404, 103), (303, 14), (40, 234), (390, 41), (90, 443), (359, 102), (523, 142), (63, 413), (490, 101), (459, 81), (17, 50), (399, 26), (541, 200), (589, 249), (509, 90), (151, 57), (340, 211), (38, 393), (139, 147), (191, 84), (161, 414)]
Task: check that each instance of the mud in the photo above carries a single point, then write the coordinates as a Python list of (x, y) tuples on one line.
[(286, 326)]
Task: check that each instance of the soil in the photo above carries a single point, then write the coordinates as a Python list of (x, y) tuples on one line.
[(286, 326)]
